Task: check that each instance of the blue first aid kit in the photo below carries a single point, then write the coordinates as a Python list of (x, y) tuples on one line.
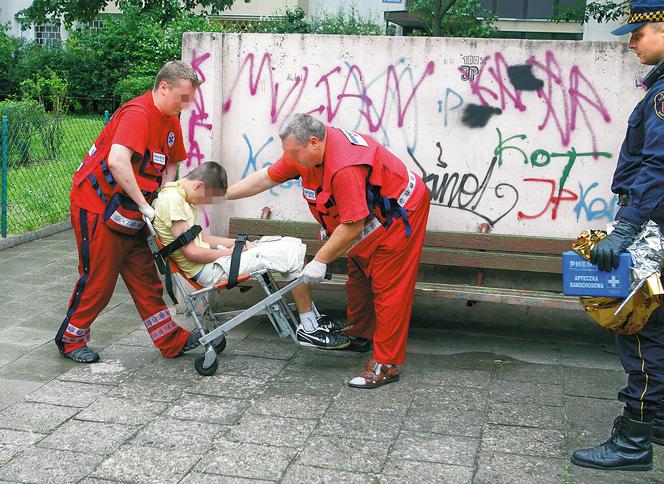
[(581, 278)]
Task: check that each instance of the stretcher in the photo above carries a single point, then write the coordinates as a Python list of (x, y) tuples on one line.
[(213, 338)]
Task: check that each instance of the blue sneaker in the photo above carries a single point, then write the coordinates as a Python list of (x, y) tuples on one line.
[(83, 355)]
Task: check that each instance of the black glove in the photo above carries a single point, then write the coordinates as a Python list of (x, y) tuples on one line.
[(606, 254)]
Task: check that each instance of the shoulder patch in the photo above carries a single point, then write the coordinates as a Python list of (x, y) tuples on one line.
[(659, 104), (354, 138)]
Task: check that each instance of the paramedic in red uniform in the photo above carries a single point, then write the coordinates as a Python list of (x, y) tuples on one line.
[(371, 208), (136, 152)]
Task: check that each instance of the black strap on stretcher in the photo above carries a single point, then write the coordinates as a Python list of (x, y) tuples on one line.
[(161, 255), (235, 260)]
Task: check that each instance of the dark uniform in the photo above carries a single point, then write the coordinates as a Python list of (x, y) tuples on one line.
[(639, 182)]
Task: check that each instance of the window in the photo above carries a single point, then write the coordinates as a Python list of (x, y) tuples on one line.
[(96, 25), (47, 34)]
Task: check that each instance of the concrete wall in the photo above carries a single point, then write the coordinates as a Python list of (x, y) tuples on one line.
[(523, 135)]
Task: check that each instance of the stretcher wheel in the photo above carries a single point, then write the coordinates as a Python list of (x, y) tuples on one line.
[(221, 346), (198, 365)]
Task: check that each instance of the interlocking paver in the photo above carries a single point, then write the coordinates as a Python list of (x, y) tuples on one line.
[(526, 392), (317, 475), (271, 430), (250, 367), (147, 465), (355, 425), (200, 478), (524, 440), (494, 467), (69, 394), (442, 421), (408, 471), (358, 455), (228, 386), (35, 417), (280, 350), (41, 465), (179, 435), (241, 459), (293, 405), (90, 437), (204, 408), (122, 411), (526, 415), (446, 449)]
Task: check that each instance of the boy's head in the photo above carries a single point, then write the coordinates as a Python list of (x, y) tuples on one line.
[(205, 183)]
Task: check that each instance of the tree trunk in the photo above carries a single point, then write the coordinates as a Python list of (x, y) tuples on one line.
[(439, 10)]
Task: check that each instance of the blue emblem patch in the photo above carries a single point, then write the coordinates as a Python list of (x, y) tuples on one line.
[(171, 139)]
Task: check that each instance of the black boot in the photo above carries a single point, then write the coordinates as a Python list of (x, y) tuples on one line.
[(658, 427), (628, 449)]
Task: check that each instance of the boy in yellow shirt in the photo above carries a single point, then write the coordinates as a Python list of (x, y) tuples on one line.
[(207, 258)]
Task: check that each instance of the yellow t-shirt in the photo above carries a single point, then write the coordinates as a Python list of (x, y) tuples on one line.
[(171, 205)]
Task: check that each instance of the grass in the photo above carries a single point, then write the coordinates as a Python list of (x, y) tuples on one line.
[(39, 179)]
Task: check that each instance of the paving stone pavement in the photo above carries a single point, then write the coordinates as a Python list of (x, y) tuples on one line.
[(470, 407)]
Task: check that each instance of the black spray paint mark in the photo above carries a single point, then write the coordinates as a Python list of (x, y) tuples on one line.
[(476, 116), (522, 78)]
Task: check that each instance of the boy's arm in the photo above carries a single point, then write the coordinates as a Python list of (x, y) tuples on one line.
[(257, 182), (214, 241), (193, 252)]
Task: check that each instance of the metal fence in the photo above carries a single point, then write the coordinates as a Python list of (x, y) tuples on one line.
[(38, 161)]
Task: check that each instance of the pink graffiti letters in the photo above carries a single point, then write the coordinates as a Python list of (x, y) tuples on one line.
[(338, 86), (255, 78), (198, 113), (566, 97), (392, 84)]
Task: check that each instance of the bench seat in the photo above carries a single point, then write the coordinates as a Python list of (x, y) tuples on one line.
[(480, 252)]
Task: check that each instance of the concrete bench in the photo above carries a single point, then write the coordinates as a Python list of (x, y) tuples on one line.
[(474, 267)]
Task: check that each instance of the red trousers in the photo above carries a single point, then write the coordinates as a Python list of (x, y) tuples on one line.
[(381, 282), (103, 254)]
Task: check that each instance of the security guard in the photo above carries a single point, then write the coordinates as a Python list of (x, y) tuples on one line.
[(639, 182), (372, 209)]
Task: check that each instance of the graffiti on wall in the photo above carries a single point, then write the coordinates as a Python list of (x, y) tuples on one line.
[(531, 122)]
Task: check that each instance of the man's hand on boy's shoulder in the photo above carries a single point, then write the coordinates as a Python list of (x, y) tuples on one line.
[(249, 245)]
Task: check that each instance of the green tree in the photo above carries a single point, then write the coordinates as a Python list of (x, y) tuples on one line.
[(454, 18), (129, 46), (600, 10), (8, 51), (86, 10)]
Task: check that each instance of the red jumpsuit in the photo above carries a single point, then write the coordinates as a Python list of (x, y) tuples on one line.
[(360, 179), (103, 253)]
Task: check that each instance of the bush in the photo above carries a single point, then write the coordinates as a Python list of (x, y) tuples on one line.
[(26, 121), (345, 24), (341, 23), (131, 87)]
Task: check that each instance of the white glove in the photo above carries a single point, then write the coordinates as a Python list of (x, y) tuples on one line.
[(313, 272), (147, 211)]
